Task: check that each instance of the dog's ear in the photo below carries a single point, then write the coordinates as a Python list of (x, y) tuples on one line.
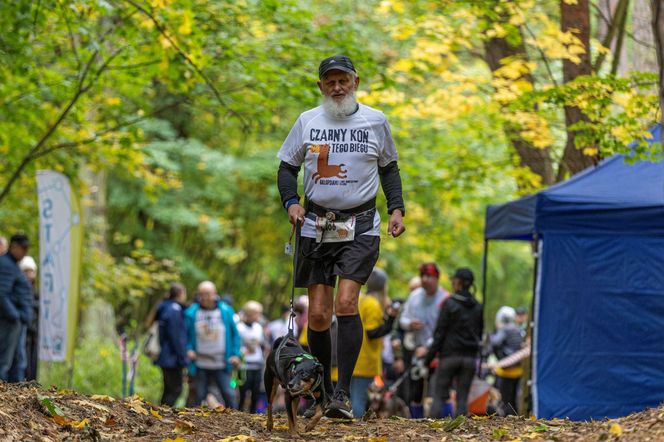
[(319, 368)]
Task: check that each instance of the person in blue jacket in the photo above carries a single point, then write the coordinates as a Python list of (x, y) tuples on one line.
[(173, 342), (213, 343), (15, 301)]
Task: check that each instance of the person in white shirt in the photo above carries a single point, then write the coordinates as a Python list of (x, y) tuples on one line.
[(253, 339), (418, 319), (345, 148)]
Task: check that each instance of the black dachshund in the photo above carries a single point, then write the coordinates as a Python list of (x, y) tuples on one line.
[(300, 374)]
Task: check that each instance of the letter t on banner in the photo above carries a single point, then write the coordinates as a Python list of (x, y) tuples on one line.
[(60, 242)]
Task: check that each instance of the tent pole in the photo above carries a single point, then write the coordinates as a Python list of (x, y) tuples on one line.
[(485, 257), (527, 392)]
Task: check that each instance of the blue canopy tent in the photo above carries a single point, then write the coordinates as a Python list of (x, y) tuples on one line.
[(599, 291)]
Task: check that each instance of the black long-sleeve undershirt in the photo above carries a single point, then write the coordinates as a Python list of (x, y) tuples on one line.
[(390, 179), (287, 182)]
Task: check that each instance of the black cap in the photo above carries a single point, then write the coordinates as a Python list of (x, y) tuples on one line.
[(338, 62), (20, 240), (464, 274)]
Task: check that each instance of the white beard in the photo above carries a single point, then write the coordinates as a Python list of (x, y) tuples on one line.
[(340, 109)]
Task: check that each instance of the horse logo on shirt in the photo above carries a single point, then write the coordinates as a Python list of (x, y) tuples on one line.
[(324, 169)]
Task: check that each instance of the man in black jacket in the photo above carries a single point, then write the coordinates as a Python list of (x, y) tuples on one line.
[(15, 301), (457, 342)]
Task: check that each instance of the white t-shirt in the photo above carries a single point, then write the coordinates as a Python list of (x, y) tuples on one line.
[(340, 158), (253, 338), (210, 339)]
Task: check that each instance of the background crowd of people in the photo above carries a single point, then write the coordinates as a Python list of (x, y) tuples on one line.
[(423, 350)]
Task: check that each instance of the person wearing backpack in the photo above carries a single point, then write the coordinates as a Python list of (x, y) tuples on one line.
[(173, 342)]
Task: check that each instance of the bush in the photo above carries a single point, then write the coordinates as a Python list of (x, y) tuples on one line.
[(98, 370)]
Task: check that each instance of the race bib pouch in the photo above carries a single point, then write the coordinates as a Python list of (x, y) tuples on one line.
[(329, 229)]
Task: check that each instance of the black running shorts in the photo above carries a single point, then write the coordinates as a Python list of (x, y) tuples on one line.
[(352, 260)]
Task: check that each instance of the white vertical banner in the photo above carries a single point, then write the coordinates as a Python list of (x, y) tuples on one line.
[(59, 255)]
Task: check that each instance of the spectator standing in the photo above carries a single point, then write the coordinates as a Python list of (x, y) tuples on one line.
[(418, 320), (253, 339), (213, 343), (507, 340), (26, 356), (369, 363), (15, 301), (173, 341), (457, 342)]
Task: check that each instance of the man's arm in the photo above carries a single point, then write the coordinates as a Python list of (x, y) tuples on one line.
[(24, 288), (390, 180), (7, 307), (287, 183)]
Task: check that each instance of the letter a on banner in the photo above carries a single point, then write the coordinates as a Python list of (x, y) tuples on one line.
[(60, 241)]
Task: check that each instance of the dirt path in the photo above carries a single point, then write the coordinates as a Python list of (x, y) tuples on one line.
[(28, 412)]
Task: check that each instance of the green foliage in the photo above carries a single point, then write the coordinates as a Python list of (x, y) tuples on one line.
[(182, 105), (98, 370)]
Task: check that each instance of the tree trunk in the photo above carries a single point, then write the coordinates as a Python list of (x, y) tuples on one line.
[(641, 49), (536, 159), (658, 33), (575, 17)]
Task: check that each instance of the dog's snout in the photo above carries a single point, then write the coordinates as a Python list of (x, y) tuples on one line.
[(293, 384)]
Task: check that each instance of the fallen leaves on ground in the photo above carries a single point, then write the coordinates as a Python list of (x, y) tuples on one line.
[(29, 412)]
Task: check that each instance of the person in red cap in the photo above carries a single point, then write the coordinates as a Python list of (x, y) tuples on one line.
[(346, 149), (418, 319)]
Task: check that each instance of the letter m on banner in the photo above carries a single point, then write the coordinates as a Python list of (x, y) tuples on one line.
[(60, 241)]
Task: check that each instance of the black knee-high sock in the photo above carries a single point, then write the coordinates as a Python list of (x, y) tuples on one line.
[(349, 342), (320, 344)]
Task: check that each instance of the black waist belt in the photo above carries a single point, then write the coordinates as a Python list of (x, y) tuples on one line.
[(310, 206)]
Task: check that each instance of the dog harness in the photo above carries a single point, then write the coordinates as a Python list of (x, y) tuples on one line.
[(289, 350)]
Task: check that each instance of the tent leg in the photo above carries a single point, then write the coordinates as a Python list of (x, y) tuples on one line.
[(526, 405), (485, 256)]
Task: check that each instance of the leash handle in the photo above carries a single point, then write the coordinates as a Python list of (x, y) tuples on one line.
[(291, 318)]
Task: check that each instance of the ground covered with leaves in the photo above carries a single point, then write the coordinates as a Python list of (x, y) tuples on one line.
[(28, 412)]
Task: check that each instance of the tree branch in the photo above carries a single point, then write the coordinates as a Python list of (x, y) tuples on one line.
[(80, 90), (619, 40), (542, 55), (72, 40), (98, 135), (163, 31), (606, 20), (618, 21), (132, 66)]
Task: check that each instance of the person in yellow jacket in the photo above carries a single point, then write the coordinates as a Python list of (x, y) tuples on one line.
[(376, 324)]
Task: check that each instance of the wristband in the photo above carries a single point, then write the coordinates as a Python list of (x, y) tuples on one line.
[(292, 201)]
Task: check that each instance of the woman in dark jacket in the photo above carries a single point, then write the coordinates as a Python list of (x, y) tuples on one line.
[(173, 341), (456, 340)]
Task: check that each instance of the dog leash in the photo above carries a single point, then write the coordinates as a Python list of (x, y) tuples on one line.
[(294, 231)]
